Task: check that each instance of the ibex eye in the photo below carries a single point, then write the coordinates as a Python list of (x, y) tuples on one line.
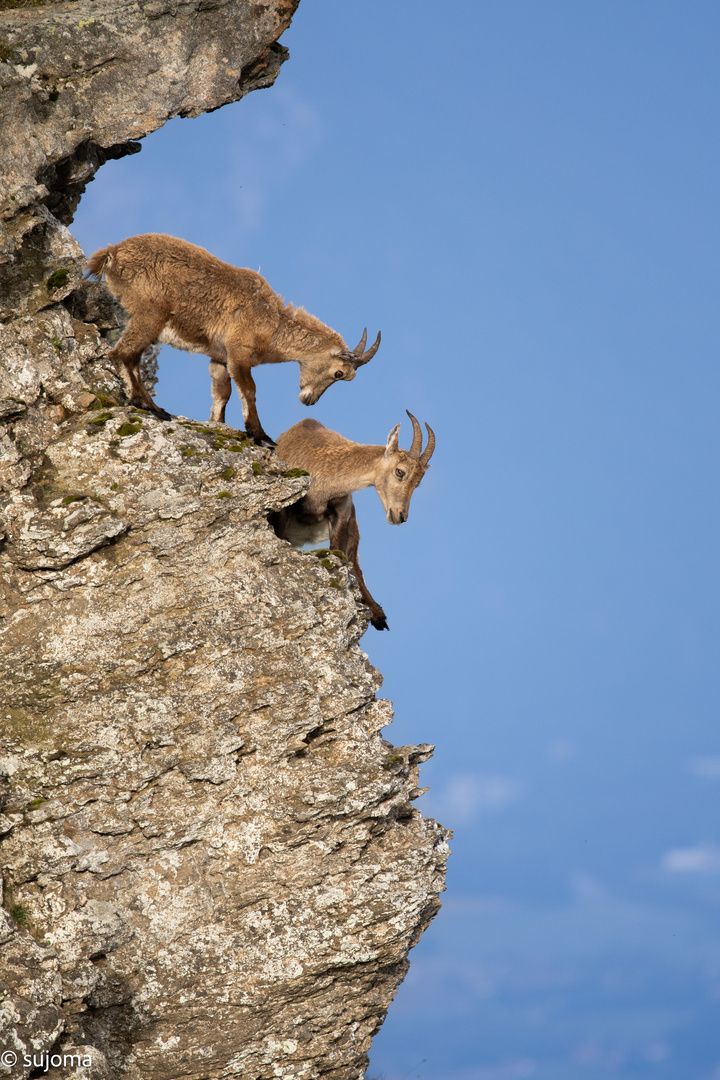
[(339, 374), (400, 474)]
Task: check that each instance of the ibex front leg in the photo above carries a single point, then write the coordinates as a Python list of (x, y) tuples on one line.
[(345, 537), (239, 369)]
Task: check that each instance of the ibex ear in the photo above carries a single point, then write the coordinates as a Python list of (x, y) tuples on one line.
[(392, 440)]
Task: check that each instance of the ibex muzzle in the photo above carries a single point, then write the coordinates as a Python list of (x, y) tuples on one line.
[(320, 372)]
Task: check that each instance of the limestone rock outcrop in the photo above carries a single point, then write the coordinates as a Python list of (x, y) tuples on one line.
[(212, 864)]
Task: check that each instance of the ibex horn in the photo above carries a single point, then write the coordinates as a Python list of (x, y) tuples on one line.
[(358, 356), (358, 350), (428, 451), (416, 447)]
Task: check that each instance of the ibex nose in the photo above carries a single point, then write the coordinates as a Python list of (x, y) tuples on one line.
[(307, 397)]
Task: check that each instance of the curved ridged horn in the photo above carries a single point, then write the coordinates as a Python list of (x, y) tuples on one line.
[(357, 356), (428, 451), (416, 447), (358, 350)]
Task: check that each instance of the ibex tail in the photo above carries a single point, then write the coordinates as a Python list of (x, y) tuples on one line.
[(96, 262)]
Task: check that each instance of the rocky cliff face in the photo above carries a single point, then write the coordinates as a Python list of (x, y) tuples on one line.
[(212, 866), (212, 863), (81, 81)]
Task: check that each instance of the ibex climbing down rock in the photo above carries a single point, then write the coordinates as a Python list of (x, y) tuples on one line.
[(181, 295), (337, 468)]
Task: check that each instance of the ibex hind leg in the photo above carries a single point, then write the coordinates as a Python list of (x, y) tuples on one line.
[(221, 390), (141, 331)]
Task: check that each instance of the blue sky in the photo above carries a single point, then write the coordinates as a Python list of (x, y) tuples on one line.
[(522, 196)]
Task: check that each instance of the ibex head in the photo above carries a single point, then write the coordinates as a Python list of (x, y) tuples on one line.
[(401, 471), (336, 364)]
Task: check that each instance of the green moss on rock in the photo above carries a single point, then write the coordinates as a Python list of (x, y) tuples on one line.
[(35, 804), (6, 50), (19, 914), (57, 279)]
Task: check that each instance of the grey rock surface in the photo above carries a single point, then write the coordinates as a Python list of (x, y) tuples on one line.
[(211, 853), (211, 861), (82, 81)]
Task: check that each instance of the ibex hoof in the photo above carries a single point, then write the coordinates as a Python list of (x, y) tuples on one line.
[(380, 622), (138, 403), (157, 411)]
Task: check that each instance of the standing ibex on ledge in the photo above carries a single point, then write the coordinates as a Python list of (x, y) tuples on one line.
[(182, 295), (337, 468)]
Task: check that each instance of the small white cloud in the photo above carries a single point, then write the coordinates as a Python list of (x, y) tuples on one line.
[(469, 794), (704, 766), (657, 1051), (701, 859)]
